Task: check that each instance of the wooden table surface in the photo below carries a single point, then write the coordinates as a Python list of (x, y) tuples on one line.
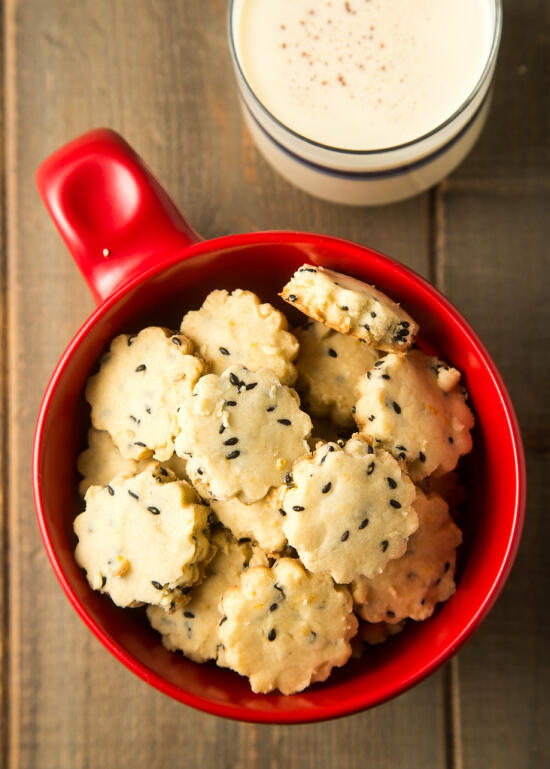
[(158, 71)]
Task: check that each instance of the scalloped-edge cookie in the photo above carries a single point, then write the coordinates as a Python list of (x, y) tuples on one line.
[(349, 510), (143, 539), (241, 432), (285, 628), (412, 585), (139, 386), (238, 329), (351, 307), (412, 406)]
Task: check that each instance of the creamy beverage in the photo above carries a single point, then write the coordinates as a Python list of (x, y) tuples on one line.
[(362, 74)]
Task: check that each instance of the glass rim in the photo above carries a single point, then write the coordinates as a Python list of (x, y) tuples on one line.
[(493, 51)]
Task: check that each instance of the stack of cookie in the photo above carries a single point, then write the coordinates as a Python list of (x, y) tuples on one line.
[(254, 535)]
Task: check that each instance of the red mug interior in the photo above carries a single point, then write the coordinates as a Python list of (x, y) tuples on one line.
[(493, 474)]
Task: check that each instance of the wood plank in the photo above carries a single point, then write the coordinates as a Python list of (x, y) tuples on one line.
[(493, 262), (160, 74), (4, 612)]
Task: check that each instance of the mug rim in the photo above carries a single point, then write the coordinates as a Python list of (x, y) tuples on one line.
[(345, 706)]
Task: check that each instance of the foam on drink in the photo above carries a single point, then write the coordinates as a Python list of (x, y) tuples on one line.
[(363, 74)]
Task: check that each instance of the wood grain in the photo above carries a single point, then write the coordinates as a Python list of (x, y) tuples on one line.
[(493, 264), (163, 79), (4, 612), (159, 72)]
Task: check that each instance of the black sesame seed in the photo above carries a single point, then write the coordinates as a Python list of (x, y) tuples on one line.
[(372, 418), (251, 385), (141, 367), (450, 439), (331, 448), (234, 379), (411, 575), (147, 409), (353, 409), (154, 510), (172, 606), (278, 587), (438, 580), (368, 375), (373, 315), (384, 545), (222, 429), (400, 447), (292, 298), (395, 503), (421, 456), (332, 352), (307, 269), (282, 512), (422, 602), (223, 619), (230, 403), (133, 418), (366, 325), (286, 422), (233, 454), (402, 455), (298, 508), (139, 443), (189, 614), (163, 471), (385, 376), (447, 567), (130, 340), (131, 493), (396, 407), (370, 469), (370, 449), (326, 488), (156, 585), (379, 363), (405, 323), (273, 606), (272, 635), (176, 340), (224, 351), (271, 408), (391, 483), (390, 613), (111, 491), (344, 307), (103, 581), (230, 441), (364, 523), (323, 459), (344, 536)]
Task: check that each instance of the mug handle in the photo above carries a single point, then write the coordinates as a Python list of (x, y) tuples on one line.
[(114, 216)]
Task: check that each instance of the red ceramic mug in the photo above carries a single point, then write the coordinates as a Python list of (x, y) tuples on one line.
[(145, 265)]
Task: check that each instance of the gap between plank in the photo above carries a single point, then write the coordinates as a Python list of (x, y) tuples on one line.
[(453, 716)]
